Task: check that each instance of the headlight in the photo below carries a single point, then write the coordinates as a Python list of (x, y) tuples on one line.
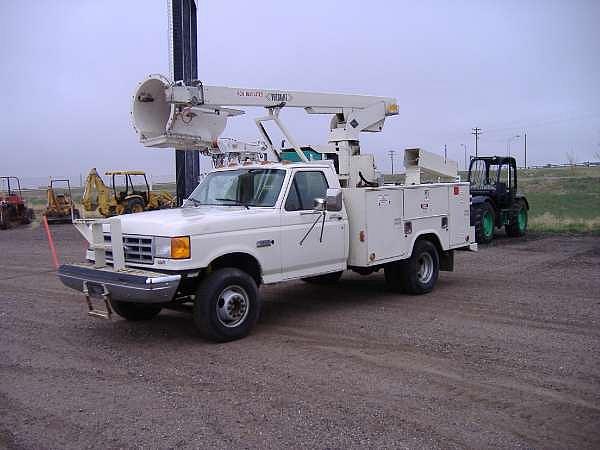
[(173, 248)]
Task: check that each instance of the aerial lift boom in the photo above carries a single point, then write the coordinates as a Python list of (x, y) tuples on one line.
[(192, 117)]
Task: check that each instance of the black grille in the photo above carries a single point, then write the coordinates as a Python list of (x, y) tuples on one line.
[(137, 249)]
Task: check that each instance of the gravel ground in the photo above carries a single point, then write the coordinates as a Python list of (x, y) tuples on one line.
[(504, 353)]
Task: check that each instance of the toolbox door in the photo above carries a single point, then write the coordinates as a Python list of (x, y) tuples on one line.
[(459, 215)]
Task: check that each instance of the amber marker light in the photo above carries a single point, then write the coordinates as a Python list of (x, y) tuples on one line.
[(180, 247)]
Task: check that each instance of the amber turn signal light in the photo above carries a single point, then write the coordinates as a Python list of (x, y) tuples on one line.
[(180, 247)]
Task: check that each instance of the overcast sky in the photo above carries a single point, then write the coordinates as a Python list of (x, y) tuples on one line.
[(69, 69)]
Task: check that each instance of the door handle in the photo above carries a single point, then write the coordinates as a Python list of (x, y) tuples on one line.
[(335, 217)]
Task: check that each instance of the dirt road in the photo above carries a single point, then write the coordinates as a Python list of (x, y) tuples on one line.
[(504, 353)]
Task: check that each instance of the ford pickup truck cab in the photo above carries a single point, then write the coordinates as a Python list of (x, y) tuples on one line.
[(247, 225)]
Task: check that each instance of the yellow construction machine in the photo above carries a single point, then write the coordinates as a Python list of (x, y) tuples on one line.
[(125, 196), (60, 207)]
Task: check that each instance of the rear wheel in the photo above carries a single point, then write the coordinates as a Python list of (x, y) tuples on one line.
[(27, 216), (418, 274), (135, 311), (518, 227), (328, 278), (484, 223), (3, 218), (227, 305)]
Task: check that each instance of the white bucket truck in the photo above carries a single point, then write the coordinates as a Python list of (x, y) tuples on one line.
[(311, 215)]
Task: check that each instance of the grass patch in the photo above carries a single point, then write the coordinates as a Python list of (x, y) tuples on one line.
[(548, 222), (563, 200)]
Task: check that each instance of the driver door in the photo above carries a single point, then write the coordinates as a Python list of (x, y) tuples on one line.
[(506, 185), (305, 255)]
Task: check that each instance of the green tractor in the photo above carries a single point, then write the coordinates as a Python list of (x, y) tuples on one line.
[(495, 201)]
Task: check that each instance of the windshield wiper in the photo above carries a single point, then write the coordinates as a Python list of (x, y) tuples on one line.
[(233, 201)]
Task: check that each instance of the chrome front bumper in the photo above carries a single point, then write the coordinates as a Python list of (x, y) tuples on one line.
[(128, 285)]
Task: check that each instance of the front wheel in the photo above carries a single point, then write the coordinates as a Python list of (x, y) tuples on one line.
[(484, 223), (134, 205), (226, 305), (518, 227), (418, 274), (135, 311)]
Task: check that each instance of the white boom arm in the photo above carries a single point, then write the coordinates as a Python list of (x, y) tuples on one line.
[(313, 102), (192, 117)]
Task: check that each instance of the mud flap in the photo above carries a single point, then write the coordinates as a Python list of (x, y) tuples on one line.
[(447, 261)]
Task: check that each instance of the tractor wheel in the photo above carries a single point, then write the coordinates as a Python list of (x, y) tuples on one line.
[(3, 219), (135, 311), (328, 278), (518, 226), (27, 216), (134, 205), (484, 223)]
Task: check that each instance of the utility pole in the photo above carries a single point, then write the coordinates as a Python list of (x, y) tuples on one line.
[(445, 154), (476, 132), (183, 59), (526, 150), (392, 153), (464, 146)]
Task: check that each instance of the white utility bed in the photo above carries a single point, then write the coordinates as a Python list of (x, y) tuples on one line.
[(384, 221)]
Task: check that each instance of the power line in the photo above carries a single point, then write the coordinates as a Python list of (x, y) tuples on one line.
[(392, 153)]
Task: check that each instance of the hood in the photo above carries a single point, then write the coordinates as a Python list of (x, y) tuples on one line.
[(196, 220)]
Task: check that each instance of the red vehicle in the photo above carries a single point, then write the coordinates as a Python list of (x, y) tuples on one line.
[(13, 210)]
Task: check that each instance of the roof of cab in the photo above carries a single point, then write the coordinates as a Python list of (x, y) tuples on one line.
[(275, 165)]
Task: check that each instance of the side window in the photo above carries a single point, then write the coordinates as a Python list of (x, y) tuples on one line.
[(306, 186), (507, 176), (293, 201)]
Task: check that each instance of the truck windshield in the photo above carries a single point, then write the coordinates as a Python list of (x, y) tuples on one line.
[(245, 187)]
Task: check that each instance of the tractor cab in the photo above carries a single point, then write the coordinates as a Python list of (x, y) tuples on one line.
[(495, 201), (130, 187), (10, 191), (60, 207), (494, 177), (12, 206)]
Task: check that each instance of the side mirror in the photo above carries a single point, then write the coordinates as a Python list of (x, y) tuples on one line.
[(334, 200), (319, 204)]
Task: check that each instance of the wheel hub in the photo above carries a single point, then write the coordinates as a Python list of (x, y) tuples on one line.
[(488, 224), (424, 268), (232, 306)]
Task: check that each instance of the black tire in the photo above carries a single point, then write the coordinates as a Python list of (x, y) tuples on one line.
[(328, 278), (482, 212), (408, 277), (135, 311), (3, 218), (27, 217), (518, 227), (220, 320), (134, 205)]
